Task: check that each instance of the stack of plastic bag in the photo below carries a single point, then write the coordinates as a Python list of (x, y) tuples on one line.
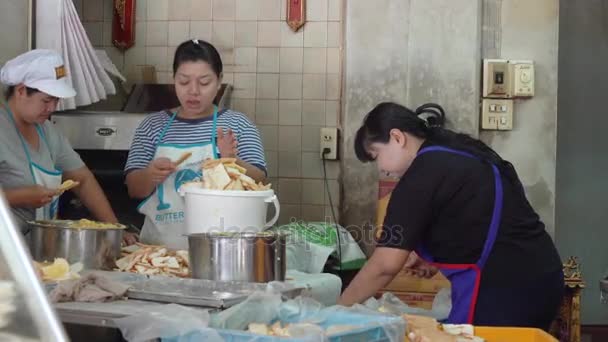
[(390, 304), (311, 243)]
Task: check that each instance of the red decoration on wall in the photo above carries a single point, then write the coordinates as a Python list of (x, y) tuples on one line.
[(296, 14), (123, 25)]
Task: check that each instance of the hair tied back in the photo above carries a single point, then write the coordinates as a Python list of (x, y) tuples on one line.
[(433, 115)]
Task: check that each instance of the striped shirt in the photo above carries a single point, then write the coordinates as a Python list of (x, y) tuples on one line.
[(193, 131)]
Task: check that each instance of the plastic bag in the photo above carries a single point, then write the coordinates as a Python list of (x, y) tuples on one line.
[(389, 303), (167, 321), (260, 307), (311, 243)]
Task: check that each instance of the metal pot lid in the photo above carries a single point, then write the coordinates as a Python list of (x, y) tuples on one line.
[(77, 224)]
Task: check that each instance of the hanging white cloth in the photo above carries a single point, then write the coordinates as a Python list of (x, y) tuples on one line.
[(59, 28)]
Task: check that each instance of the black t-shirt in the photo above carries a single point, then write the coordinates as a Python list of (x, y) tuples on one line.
[(444, 202)]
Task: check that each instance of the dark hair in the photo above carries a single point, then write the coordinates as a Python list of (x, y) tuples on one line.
[(386, 116), (198, 50), (10, 91)]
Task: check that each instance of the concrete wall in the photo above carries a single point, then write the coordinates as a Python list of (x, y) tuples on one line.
[(582, 165), (418, 51), (531, 145)]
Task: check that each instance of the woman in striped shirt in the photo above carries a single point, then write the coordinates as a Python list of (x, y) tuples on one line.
[(198, 127)]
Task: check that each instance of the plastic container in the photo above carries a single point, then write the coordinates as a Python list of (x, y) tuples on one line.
[(210, 211), (499, 334), (374, 328)]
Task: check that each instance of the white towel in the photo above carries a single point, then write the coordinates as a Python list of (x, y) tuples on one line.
[(59, 28)]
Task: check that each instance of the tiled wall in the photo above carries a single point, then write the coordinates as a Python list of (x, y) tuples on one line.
[(288, 83)]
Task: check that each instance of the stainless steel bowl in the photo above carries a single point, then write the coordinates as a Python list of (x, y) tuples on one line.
[(95, 248), (250, 257)]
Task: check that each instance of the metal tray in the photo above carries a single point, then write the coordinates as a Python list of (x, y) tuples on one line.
[(204, 293), (192, 292), (69, 224)]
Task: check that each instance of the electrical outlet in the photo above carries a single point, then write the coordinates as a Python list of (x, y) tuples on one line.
[(329, 139)]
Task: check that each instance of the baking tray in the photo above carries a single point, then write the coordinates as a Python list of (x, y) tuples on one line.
[(204, 293)]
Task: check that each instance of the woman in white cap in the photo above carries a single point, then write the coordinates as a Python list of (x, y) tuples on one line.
[(35, 157)]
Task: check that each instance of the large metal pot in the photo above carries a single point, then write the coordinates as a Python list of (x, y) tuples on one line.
[(251, 257), (95, 248)]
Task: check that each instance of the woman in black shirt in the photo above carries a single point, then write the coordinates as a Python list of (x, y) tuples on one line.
[(463, 209)]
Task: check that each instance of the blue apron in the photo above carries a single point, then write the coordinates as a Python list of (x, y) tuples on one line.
[(164, 209), (465, 278), (50, 179)]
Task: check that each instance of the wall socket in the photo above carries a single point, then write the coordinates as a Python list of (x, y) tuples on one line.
[(329, 139)]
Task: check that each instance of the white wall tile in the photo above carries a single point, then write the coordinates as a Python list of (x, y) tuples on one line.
[(94, 30), (201, 10), (157, 56), (291, 60), (334, 12), (107, 34), (93, 10), (334, 37), (179, 10), (157, 33), (290, 112), (290, 213), (223, 34), (313, 112), (312, 166), (313, 213), (245, 60), (290, 86), (246, 34), (179, 32), (290, 38), (311, 138), (141, 11), (157, 9), (108, 10), (140, 33), (316, 10), (247, 10), (314, 87), (268, 60), (272, 165), (200, 30), (224, 10), (333, 61), (315, 60), (244, 86), (269, 34), (290, 190), (269, 10), (135, 56), (245, 106), (315, 34), (332, 113), (270, 137), (268, 86), (333, 87), (313, 191), (290, 164), (267, 112), (290, 138)]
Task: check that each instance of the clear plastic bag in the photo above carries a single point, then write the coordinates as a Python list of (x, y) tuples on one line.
[(167, 321), (389, 303)]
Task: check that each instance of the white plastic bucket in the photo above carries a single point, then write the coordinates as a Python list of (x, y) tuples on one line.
[(227, 211)]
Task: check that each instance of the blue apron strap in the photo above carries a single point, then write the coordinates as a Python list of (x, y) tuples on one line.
[(165, 129), (216, 153), (496, 218), (23, 143)]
